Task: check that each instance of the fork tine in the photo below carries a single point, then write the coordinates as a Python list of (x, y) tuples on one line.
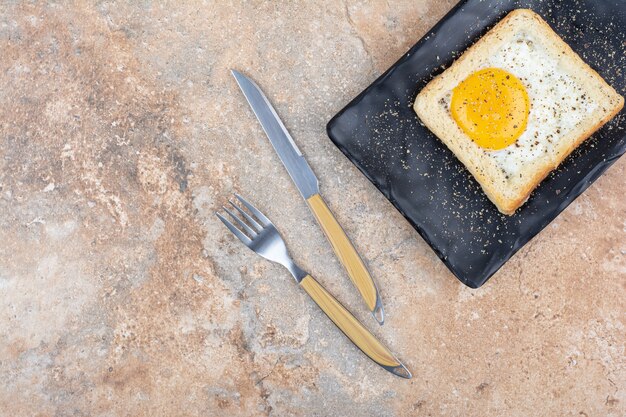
[(264, 220), (248, 229), (253, 222), (245, 239)]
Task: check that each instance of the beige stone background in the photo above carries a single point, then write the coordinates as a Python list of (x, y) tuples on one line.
[(121, 295)]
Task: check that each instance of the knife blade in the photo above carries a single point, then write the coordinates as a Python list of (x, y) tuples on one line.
[(308, 185)]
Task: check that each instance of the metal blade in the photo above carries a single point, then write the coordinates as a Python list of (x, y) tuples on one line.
[(281, 140)]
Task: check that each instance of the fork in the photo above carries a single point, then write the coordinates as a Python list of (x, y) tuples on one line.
[(258, 233)]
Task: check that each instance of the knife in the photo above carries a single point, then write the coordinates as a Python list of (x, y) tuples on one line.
[(307, 184)]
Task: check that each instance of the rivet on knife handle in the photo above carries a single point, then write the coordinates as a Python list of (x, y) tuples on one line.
[(352, 328), (348, 256)]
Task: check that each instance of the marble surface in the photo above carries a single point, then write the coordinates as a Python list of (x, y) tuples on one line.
[(122, 132)]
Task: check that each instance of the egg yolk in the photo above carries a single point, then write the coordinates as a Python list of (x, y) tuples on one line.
[(491, 106)]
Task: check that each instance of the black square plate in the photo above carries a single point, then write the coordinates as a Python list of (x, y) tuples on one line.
[(379, 132)]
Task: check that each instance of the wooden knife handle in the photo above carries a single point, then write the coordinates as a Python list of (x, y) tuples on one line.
[(352, 328), (347, 255)]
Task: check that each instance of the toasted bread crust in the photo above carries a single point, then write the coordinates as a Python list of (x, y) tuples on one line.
[(510, 196)]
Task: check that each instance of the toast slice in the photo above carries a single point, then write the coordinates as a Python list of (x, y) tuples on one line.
[(569, 101)]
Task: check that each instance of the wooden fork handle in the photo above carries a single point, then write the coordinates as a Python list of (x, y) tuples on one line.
[(352, 328)]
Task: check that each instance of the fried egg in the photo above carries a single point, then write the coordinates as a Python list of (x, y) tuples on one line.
[(518, 104)]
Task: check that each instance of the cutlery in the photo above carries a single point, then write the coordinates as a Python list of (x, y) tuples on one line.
[(307, 184), (258, 233)]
